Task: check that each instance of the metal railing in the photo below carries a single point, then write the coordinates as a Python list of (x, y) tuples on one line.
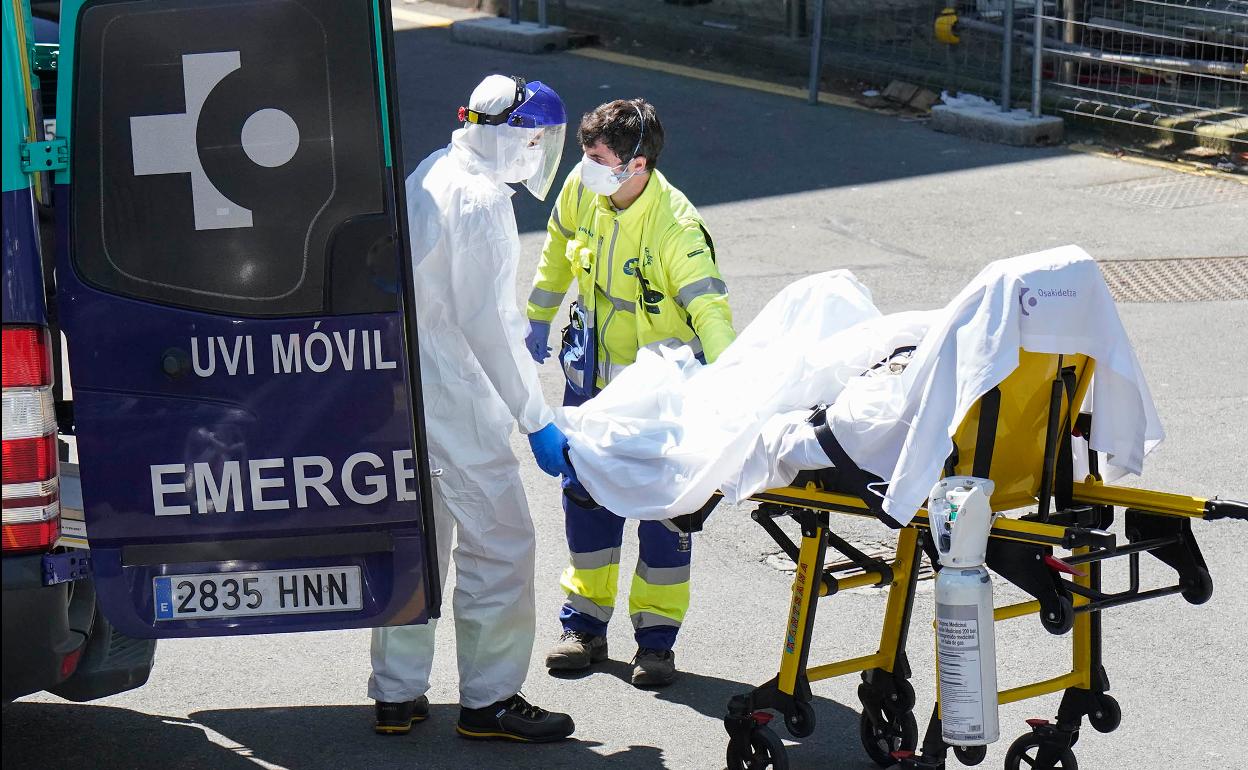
[(1180, 66), (1177, 66)]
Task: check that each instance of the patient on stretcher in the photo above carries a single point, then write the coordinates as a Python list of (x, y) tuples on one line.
[(669, 432)]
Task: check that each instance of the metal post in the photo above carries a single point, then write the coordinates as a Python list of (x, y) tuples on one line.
[(515, 11), (795, 12), (1037, 57), (816, 52), (1007, 52), (1069, 28), (541, 14)]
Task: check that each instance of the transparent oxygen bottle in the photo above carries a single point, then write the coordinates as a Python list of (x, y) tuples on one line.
[(966, 650)]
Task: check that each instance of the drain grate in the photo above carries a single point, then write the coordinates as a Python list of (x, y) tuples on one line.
[(1177, 280), (1172, 191)]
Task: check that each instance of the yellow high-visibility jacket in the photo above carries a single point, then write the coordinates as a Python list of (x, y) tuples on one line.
[(647, 274)]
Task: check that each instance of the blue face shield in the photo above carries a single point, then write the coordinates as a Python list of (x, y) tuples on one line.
[(542, 111), (539, 111)]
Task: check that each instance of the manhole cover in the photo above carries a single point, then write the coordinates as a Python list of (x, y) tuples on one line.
[(1173, 191), (1177, 280), (884, 551)]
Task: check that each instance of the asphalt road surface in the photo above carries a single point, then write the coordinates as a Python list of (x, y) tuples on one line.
[(786, 190)]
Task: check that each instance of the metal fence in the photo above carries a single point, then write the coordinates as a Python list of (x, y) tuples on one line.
[(1180, 66), (1177, 66), (899, 40)]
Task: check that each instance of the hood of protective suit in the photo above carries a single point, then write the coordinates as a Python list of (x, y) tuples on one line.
[(502, 153)]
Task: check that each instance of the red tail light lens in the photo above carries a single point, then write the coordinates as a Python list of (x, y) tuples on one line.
[(29, 459), (35, 536), (31, 511), (27, 357)]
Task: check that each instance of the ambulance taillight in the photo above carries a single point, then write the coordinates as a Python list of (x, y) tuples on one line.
[(31, 486)]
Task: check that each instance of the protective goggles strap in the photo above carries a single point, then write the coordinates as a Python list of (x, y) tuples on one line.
[(467, 115)]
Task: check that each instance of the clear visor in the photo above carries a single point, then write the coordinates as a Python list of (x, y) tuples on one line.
[(547, 143)]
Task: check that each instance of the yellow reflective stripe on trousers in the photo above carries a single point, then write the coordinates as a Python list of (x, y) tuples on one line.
[(592, 591), (657, 605)]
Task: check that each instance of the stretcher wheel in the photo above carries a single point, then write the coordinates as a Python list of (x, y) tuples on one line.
[(764, 750), (1202, 590), (1107, 715), (1025, 751), (900, 733), (903, 699), (970, 755), (801, 722), (1063, 620)]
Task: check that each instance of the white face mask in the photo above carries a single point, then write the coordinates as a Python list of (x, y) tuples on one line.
[(601, 179)]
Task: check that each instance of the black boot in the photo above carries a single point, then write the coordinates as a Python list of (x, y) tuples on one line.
[(398, 718), (514, 719)]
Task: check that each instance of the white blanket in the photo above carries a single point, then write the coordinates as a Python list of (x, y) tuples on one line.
[(662, 437)]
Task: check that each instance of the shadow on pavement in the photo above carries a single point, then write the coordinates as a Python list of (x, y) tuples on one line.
[(40, 735), (836, 733), (338, 737), (341, 737)]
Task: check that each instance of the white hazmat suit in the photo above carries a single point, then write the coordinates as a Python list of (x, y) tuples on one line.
[(478, 379)]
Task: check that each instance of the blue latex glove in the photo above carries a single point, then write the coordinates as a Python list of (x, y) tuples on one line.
[(550, 448), (537, 340)]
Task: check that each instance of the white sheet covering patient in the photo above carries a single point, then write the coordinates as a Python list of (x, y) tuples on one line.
[(659, 440)]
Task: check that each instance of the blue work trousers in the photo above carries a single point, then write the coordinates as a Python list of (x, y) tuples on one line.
[(659, 594)]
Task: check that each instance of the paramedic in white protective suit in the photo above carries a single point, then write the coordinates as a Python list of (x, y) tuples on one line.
[(478, 379)]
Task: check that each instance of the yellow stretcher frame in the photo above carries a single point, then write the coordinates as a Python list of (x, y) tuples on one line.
[(1032, 418)]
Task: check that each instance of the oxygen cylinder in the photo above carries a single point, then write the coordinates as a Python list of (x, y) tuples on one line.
[(966, 650)]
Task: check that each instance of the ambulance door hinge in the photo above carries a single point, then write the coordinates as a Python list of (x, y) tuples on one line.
[(47, 56), (38, 157)]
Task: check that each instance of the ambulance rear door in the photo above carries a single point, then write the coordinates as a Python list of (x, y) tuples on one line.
[(231, 286)]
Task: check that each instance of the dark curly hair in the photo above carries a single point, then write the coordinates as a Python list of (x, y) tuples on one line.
[(617, 125)]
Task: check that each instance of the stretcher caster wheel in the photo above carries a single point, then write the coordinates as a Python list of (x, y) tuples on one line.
[(970, 755), (801, 723), (1106, 715), (903, 699), (1200, 588), (899, 733), (764, 750), (1061, 621), (1029, 750), (893, 694)]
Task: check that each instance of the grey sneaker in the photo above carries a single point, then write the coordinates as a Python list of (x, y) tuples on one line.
[(653, 668), (575, 651)]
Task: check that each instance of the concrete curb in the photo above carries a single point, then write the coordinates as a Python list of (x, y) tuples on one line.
[(1000, 127), (497, 32)]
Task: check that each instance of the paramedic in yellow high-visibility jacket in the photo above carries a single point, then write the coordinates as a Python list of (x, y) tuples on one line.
[(645, 273)]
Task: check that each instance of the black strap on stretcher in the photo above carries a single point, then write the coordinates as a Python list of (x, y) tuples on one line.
[(849, 477), (846, 476), (986, 433), (1063, 490)]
